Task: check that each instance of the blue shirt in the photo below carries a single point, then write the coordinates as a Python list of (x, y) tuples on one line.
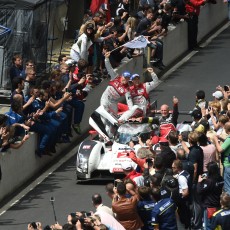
[(163, 214)]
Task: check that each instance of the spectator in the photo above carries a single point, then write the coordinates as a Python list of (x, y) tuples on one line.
[(210, 188), (163, 213), (109, 190), (173, 141), (145, 206), (151, 3), (187, 165), (61, 60), (209, 150), (29, 64), (185, 188), (29, 80), (126, 209), (132, 174), (16, 68), (97, 203), (200, 100), (221, 217), (224, 150), (84, 42), (195, 154), (193, 11)]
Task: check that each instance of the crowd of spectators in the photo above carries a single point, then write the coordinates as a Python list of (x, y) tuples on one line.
[(177, 177)]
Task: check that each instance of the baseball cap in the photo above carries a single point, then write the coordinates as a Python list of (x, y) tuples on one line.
[(126, 74), (135, 75), (218, 95), (126, 165)]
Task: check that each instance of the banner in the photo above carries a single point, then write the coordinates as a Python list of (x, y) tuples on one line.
[(137, 43)]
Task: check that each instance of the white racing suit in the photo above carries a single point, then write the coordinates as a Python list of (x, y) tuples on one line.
[(140, 96), (105, 114)]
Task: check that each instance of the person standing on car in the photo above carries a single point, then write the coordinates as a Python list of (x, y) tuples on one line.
[(140, 94), (104, 115)]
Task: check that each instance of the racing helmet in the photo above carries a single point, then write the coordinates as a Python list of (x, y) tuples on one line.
[(126, 74), (134, 75)]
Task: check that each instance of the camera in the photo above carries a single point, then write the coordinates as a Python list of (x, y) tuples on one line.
[(149, 161), (87, 214), (226, 88)]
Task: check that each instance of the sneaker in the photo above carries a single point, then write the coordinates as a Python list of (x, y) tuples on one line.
[(77, 128)]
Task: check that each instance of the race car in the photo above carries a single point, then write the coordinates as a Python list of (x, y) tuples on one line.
[(96, 160)]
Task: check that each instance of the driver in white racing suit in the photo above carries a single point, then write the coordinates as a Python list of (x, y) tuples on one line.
[(139, 93), (107, 111)]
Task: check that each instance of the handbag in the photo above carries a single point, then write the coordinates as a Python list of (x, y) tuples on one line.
[(210, 212)]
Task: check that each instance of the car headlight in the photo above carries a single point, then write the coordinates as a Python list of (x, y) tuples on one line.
[(83, 163)]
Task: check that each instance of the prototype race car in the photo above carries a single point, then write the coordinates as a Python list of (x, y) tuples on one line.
[(95, 160)]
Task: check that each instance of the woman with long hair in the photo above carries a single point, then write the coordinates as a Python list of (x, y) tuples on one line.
[(210, 188)]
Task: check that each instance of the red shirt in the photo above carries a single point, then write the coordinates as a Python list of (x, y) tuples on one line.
[(194, 6)]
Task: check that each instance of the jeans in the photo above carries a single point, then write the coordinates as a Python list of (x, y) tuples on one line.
[(45, 134), (227, 179), (207, 222), (79, 108)]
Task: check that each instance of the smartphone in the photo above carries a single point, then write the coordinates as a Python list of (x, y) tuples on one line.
[(87, 214), (52, 199), (26, 132), (226, 88), (66, 90), (115, 183)]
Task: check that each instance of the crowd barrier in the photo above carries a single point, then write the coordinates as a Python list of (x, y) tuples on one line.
[(19, 166)]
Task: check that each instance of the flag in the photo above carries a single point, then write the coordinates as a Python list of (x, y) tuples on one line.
[(138, 43)]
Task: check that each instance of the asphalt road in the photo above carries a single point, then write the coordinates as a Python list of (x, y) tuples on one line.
[(205, 70)]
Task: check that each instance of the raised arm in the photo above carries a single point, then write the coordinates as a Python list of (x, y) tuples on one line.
[(113, 74)]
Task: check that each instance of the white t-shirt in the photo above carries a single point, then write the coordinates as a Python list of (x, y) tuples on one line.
[(182, 181), (109, 221)]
